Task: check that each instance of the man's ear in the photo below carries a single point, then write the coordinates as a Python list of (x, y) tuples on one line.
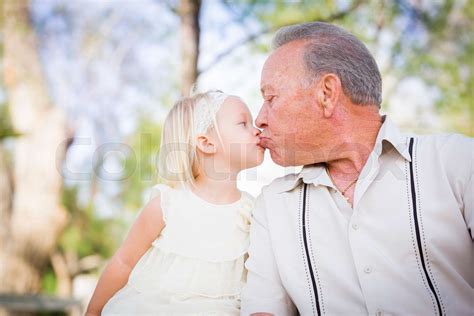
[(205, 144), (328, 94)]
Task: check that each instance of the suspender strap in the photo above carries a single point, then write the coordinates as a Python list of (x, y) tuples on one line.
[(417, 229), (306, 250)]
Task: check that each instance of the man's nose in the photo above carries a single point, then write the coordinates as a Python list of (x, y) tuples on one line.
[(261, 120)]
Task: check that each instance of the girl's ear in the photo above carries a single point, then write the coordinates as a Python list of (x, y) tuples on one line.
[(205, 144)]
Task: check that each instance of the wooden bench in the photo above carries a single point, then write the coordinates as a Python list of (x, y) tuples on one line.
[(40, 303)]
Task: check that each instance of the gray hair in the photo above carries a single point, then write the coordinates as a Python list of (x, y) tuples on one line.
[(332, 49)]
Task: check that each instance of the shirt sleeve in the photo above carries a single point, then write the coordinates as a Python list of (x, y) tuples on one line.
[(264, 291), (461, 152), (468, 199), (163, 191)]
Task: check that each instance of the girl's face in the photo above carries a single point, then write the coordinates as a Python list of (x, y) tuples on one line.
[(239, 141)]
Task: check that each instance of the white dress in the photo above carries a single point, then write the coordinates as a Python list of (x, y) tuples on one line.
[(196, 265)]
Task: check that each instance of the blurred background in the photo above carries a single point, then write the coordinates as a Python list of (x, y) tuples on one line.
[(86, 85)]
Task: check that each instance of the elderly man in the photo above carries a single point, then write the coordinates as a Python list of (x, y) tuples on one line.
[(377, 222)]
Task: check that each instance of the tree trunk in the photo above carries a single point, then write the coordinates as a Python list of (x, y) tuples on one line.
[(6, 187), (36, 218), (189, 34), (63, 276)]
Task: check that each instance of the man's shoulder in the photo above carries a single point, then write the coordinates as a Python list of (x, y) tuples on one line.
[(446, 146), (271, 200), (280, 184), (443, 139), (452, 154)]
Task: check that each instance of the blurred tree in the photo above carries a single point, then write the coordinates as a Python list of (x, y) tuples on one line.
[(442, 55), (86, 241), (6, 130), (274, 14), (89, 239), (188, 12), (35, 220)]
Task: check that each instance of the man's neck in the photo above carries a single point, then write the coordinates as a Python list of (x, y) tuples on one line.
[(354, 148), (354, 151)]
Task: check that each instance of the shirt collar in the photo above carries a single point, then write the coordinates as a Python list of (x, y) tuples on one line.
[(391, 134), (317, 174)]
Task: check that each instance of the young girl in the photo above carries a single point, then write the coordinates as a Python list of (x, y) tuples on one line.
[(185, 253)]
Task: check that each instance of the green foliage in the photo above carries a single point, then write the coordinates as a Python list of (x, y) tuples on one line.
[(86, 233), (446, 61), (48, 282), (6, 127), (279, 13), (141, 165)]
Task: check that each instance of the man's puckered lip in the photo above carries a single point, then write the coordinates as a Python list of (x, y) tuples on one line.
[(263, 141)]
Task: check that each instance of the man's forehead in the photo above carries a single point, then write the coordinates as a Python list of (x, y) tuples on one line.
[(277, 60), (288, 52), (289, 55), (274, 68)]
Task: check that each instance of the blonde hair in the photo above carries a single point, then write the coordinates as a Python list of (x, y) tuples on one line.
[(177, 160)]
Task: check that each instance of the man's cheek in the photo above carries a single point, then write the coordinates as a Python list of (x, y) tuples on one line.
[(287, 125), (275, 124)]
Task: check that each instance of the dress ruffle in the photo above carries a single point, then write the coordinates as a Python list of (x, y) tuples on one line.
[(182, 277), (164, 192), (129, 302), (245, 212)]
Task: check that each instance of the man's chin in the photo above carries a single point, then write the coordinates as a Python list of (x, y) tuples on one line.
[(279, 159)]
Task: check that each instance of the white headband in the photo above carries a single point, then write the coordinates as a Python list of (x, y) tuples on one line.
[(206, 109)]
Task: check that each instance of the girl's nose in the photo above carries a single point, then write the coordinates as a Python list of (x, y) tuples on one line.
[(257, 131)]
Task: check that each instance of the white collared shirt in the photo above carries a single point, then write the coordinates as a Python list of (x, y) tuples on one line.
[(405, 248)]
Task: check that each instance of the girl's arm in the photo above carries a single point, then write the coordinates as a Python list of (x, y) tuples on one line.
[(145, 229)]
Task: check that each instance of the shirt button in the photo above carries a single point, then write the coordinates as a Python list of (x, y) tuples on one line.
[(355, 226), (368, 270)]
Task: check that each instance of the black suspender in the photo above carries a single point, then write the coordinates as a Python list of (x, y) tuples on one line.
[(306, 250), (417, 229)]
